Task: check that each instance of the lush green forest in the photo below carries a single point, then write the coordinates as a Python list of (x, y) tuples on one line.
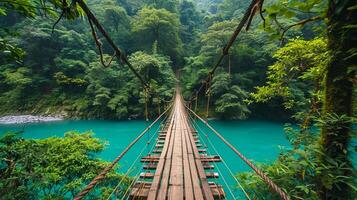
[(295, 62)]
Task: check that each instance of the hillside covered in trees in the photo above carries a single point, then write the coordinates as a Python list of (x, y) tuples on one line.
[(293, 61), (58, 70)]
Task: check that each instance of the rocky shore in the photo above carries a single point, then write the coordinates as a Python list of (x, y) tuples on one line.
[(22, 119)]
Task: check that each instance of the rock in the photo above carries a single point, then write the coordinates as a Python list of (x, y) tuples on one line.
[(22, 119)]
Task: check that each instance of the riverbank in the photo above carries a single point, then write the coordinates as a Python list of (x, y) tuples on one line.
[(23, 119)]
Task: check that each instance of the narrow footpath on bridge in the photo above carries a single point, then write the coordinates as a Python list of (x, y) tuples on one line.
[(178, 166), (179, 162)]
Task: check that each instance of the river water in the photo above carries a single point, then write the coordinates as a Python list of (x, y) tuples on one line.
[(257, 140)]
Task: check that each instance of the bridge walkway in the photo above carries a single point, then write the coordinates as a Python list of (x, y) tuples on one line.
[(178, 162)]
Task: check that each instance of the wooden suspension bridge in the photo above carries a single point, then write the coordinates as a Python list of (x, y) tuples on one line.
[(179, 163), (177, 167)]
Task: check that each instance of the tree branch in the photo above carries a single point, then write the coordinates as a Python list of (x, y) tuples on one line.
[(300, 23), (64, 11)]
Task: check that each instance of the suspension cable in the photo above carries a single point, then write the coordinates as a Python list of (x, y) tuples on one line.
[(208, 93), (102, 175), (265, 178), (118, 51), (133, 164), (215, 164), (249, 14), (146, 104), (137, 176), (195, 124), (223, 161), (196, 101)]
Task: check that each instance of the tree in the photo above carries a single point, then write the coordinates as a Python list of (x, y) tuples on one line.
[(158, 25), (297, 75), (190, 21), (170, 5), (333, 174), (340, 71), (52, 168), (157, 71), (232, 8), (116, 21), (231, 105)]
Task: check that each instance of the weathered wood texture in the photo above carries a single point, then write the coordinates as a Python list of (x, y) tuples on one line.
[(179, 166)]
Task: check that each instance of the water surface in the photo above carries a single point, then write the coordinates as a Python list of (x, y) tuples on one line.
[(257, 140)]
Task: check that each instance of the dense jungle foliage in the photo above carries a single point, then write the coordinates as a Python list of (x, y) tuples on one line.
[(296, 64), (44, 169)]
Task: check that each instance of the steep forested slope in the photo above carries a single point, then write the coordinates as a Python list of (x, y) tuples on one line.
[(60, 72)]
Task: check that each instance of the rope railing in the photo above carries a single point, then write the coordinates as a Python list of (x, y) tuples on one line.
[(265, 178), (137, 158), (248, 15), (118, 51), (195, 124), (102, 175)]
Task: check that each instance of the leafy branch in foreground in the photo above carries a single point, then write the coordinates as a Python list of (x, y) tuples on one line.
[(52, 168), (297, 75), (299, 169)]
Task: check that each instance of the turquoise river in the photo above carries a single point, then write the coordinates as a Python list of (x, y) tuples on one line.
[(259, 141)]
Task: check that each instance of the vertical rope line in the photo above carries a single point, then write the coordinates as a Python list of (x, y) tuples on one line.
[(208, 92), (102, 175), (146, 104), (262, 175), (137, 176), (142, 151), (216, 165), (223, 161)]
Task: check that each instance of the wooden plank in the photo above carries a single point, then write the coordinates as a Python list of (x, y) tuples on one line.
[(159, 146), (146, 175), (176, 173), (157, 151), (217, 191), (212, 175), (201, 172), (164, 185), (150, 159), (202, 150), (180, 168), (207, 166), (187, 168), (140, 190), (210, 159), (157, 178), (194, 174), (150, 166)]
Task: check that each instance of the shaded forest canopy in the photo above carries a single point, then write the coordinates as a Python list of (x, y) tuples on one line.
[(60, 72), (297, 62)]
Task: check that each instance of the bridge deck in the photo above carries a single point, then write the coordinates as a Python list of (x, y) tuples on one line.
[(179, 165)]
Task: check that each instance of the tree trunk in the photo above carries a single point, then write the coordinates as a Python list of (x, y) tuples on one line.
[(336, 135)]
